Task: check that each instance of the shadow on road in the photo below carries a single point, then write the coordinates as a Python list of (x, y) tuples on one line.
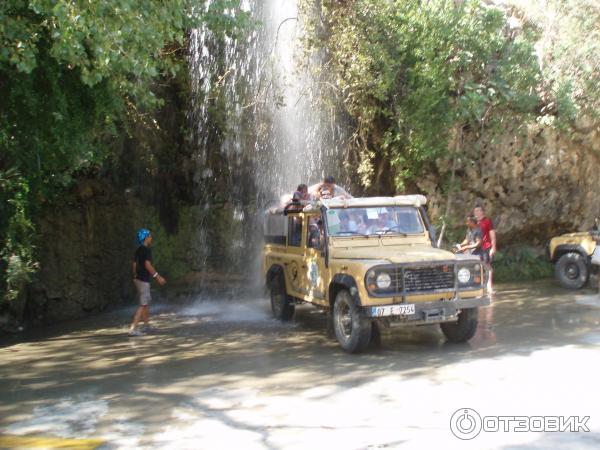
[(215, 345)]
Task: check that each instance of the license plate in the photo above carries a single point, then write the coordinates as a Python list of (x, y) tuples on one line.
[(392, 310)]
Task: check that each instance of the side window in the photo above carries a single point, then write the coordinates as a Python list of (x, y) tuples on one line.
[(294, 230), (408, 221), (313, 234)]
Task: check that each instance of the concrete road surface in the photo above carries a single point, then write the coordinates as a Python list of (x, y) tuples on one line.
[(222, 374)]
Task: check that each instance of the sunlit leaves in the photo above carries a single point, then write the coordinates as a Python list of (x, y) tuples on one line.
[(410, 71), (569, 52)]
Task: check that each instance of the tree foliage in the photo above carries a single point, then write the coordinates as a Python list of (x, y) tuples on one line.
[(73, 73), (411, 72), (569, 53)]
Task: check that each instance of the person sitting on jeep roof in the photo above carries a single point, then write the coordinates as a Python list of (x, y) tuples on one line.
[(328, 189), (295, 204), (300, 196), (304, 195)]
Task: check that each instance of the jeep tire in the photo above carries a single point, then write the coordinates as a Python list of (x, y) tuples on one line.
[(352, 329), (464, 328), (281, 303), (571, 270)]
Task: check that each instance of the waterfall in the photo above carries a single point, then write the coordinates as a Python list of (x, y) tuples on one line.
[(258, 130)]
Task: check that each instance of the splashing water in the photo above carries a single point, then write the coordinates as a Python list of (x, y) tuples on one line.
[(258, 130)]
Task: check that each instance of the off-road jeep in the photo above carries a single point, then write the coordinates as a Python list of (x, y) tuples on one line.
[(571, 254), (366, 261)]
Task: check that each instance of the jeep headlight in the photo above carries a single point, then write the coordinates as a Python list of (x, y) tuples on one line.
[(464, 275), (383, 280), (469, 277), (379, 282)]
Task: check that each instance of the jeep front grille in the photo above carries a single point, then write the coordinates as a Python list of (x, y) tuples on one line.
[(426, 278), (410, 280)]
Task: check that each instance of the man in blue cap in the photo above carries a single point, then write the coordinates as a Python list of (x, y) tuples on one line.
[(143, 273)]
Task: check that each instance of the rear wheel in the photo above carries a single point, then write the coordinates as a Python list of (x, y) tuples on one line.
[(281, 303), (352, 329), (464, 328), (571, 270)]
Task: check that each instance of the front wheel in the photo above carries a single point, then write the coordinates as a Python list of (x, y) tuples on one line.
[(464, 328), (281, 304), (352, 329), (571, 270)]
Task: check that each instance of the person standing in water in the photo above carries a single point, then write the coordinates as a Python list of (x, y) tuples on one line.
[(488, 243), (472, 242), (143, 273)]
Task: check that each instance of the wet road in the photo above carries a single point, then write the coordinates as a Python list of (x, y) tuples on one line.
[(226, 375)]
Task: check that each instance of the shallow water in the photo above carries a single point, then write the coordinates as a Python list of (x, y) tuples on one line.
[(221, 373)]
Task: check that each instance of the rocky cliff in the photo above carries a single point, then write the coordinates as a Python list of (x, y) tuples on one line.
[(534, 185)]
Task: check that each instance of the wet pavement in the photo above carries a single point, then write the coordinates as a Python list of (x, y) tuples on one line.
[(223, 374)]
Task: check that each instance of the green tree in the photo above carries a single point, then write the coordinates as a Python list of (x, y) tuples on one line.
[(415, 75), (73, 74), (569, 51)]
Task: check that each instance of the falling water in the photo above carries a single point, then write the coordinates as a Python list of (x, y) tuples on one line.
[(258, 130)]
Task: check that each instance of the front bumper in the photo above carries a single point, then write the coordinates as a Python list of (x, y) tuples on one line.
[(429, 312)]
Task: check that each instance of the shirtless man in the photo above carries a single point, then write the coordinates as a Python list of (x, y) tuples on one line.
[(328, 189)]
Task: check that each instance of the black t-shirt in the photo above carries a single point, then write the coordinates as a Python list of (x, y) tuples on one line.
[(142, 254)]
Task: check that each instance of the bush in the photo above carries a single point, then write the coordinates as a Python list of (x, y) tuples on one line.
[(521, 263)]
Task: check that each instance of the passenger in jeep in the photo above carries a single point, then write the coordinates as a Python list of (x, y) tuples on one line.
[(347, 224), (382, 223), (315, 234), (327, 189)]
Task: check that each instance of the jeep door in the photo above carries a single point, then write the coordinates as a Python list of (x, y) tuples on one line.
[(294, 261), (314, 261)]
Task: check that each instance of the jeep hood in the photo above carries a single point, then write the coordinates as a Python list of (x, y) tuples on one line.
[(396, 254), (579, 234)]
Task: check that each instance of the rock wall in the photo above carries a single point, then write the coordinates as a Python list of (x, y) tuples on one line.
[(88, 243), (85, 257), (534, 185)]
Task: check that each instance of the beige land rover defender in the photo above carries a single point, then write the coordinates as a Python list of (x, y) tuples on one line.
[(572, 255), (367, 260)]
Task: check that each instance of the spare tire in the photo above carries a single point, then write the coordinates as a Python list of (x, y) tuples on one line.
[(571, 270)]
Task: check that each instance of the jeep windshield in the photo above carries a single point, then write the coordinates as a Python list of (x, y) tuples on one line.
[(369, 221)]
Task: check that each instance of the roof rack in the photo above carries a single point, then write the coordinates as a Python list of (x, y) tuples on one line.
[(416, 200)]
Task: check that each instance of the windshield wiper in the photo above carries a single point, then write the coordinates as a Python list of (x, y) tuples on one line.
[(339, 233), (392, 228)]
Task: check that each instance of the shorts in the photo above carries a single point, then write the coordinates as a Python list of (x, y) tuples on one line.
[(143, 291), (484, 255)]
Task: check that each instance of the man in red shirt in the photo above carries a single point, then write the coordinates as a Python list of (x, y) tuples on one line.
[(488, 243)]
